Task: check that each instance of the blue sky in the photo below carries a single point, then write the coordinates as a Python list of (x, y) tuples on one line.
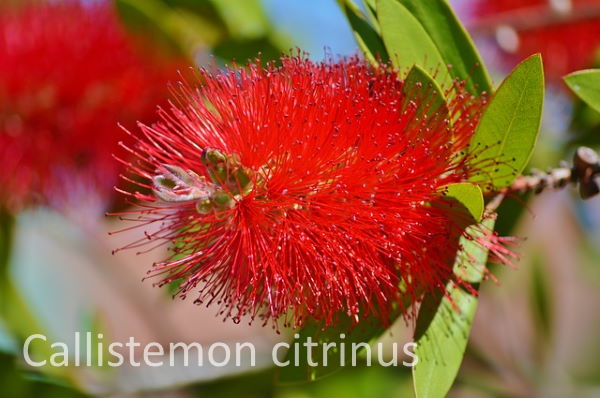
[(313, 25)]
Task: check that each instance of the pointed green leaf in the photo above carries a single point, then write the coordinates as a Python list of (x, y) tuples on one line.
[(508, 130), (586, 85), (470, 199), (366, 36), (441, 345), (371, 8), (452, 41), (443, 327), (245, 19), (419, 84), (179, 30), (406, 40), (469, 196), (470, 261)]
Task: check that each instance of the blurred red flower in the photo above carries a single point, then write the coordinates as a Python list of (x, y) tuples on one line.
[(68, 75), (566, 32), (304, 190)]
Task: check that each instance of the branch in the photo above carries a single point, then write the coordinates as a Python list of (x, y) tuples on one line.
[(585, 172)]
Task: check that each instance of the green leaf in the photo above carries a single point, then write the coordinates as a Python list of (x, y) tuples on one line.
[(406, 40), (443, 327), (468, 206), (242, 50), (231, 29), (245, 19), (470, 261), (419, 84), (371, 8), (178, 30), (452, 41), (366, 36), (468, 196), (586, 85), (508, 130)]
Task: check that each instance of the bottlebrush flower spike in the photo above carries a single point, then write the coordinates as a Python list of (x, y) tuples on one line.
[(565, 32), (68, 75), (302, 191)]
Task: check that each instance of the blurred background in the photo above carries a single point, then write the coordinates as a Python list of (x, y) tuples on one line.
[(536, 329)]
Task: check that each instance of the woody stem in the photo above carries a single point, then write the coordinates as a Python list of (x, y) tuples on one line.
[(585, 172)]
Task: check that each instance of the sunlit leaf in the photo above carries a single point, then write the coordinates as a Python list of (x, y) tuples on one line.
[(452, 41), (586, 85), (371, 8), (508, 130), (418, 84), (244, 19), (469, 196), (365, 34), (444, 324), (177, 29), (406, 41)]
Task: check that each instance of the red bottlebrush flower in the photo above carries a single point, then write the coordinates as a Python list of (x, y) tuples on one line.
[(68, 75), (565, 32), (304, 190)]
